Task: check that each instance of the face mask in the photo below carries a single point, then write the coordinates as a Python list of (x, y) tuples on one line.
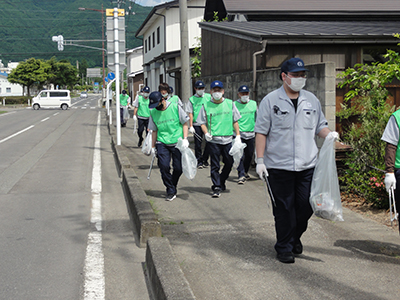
[(165, 95), (245, 99), (160, 106), (217, 96), (297, 83), (200, 92), (145, 95)]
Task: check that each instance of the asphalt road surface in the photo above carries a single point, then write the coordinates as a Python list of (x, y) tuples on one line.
[(64, 228)]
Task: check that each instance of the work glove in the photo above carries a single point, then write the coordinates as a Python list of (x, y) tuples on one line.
[(238, 139), (191, 130), (261, 169), (154, 152), (185, 143), (134, 118), (208, 137), (333, 135), (390, 181)]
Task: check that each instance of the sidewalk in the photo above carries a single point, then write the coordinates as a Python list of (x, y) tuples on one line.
[(225, 246)]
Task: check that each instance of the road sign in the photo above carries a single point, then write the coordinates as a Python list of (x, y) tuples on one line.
[(110, 12), (111, 75)]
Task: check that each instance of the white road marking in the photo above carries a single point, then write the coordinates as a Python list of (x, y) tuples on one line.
[(56, 114), (8, 113), (94, 261), (15, 134), (45, 119)]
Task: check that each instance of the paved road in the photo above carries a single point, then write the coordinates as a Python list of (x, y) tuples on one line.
[(64, 228)]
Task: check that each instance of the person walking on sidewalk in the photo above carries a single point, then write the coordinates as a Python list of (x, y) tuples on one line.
[(248, 110), (124, 101), (141, 113), (165, 91), (193, 108), (218, 118), (287, 121), (392, 156), (169, 122)]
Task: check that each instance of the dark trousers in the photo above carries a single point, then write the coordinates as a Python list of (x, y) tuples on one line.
[(164, 155), (142, 125), (245, 161), (201, 156), (397, 190), (121, 113), (216, 151), (291, 191)]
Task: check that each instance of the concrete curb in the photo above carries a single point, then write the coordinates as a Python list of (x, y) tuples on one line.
[(121, 158), (166, 277), (143, 216)]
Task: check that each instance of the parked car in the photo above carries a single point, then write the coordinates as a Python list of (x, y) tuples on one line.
[(52, 99), (84, 95)]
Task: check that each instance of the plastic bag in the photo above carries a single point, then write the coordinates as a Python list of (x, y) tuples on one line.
[(189, 161), (146, 148), (125, 113), (325, 193), (237, 152)]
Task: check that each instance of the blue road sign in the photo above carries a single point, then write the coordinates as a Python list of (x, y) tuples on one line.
[(111, 75)]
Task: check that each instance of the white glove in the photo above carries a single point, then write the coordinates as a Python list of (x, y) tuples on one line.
[(261, 169), (333, 135), (390, 181), (134, 118), (185, 143), (191, 130), (208, 137), (238, 139), (153, 151)]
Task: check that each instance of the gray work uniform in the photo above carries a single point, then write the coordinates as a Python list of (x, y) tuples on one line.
[(290, 143), (391, 133)]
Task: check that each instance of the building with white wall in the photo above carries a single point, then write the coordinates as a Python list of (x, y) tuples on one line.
[(7, 88), (162, 42), (134, 60)]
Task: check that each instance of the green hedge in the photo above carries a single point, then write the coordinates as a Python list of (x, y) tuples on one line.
[(15, 100)]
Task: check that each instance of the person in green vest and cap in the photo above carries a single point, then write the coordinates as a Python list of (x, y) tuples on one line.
[(248, 111), (391, 136), (141, 113), (193, 108), (167, 93), (218, 118), (169, 122), (124, 101)]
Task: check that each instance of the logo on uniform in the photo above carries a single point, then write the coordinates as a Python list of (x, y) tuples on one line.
[(300, 64), (309, 104)]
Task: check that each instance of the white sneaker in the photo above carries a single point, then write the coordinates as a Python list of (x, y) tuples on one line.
[(170, 197)]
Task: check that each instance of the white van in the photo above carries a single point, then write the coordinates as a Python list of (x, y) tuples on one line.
[(52, 99)]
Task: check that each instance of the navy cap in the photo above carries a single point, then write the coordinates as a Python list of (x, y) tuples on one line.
[(123, 92), (243, 89), (155, 98), (293, 65), (146, 89), (171, 90), (199, 84), (217, 83)]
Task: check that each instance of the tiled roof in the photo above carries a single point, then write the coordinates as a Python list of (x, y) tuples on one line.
[(307, 30)]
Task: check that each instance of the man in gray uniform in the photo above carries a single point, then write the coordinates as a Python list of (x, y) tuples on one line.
[(287, 121)]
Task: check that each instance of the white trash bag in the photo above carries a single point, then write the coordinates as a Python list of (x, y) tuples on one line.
[(146, 148), (237, 152), (325, 193), (189, 161)]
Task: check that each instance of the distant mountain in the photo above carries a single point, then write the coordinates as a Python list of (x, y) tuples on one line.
[(27, 27)]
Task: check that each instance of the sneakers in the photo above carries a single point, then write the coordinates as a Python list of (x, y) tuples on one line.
[(247, 176), (297, 248), (170, 197), (286, 258), (216, 193), (200, 166), (205, 164), (241, 180)]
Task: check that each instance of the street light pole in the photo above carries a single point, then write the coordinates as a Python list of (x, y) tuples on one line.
[(102, 37)]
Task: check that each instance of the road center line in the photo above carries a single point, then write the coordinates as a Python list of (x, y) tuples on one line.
[(94, 261), (45, 119), (17, 133)]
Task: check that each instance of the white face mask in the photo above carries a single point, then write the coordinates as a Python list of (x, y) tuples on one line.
[(165, 95), (297, 83), (217, 96), (200, 92), (145, 95), (245, 99)]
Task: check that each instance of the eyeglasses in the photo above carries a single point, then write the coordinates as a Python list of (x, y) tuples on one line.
[(297, 75)]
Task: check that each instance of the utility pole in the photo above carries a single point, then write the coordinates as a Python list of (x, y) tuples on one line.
[(185, 55)]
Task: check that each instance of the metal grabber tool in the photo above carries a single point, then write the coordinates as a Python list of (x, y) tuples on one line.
[(151, 167), (268, 189)]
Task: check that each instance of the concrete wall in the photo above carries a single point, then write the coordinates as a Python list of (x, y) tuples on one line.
[(321, 82)]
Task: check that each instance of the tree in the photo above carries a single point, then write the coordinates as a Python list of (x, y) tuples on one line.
[(30, 72), (366, 102), (62, 73)]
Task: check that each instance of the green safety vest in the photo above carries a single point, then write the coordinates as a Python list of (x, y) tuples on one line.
[(143, 109), (396, 115), (197, 103), (174, 99), (248, 113), (123, 99), (169, 127), (219, 117)]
